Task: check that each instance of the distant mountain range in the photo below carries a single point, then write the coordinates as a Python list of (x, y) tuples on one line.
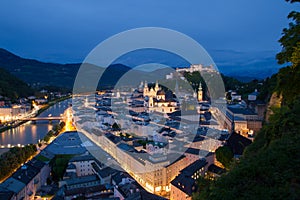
[(38, 73), (246, 66), (235, 64), (241, 65)]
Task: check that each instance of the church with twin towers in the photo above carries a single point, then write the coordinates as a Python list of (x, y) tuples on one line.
[(156, 99)]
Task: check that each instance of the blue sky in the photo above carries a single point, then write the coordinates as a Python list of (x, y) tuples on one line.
[(67, 30)]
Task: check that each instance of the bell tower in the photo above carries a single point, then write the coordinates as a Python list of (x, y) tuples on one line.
[(156, 88), (146, 89), (200, 93), (151, 102)]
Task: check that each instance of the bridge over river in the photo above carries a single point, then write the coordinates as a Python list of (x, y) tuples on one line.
[(42, 118), (36, 128)]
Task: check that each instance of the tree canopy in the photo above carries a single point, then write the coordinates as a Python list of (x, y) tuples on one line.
[(224, 155), (270, 166), (288, 83)]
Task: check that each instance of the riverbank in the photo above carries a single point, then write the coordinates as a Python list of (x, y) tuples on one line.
[(7, 169), (40, 111), (51, 103), (32, 133)]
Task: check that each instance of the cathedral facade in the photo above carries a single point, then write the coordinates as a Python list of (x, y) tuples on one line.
[(156, 101)]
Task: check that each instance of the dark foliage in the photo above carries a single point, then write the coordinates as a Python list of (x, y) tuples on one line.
[(270, 166), (224, 155), (59, 165), (38, 73), (12, 87), (11, 160)]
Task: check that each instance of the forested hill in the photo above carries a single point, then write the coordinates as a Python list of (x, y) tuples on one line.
[(38, 73), (270, 166), (12, 87)]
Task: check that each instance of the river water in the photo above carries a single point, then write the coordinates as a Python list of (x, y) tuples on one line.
[(28, 132)]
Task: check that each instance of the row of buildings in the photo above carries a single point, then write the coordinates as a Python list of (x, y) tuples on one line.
[(156, 155), (158, 146), (25, 106), (86, 177), (26, 182), (241, 117)]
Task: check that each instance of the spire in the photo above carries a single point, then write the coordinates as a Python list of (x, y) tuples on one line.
[(156, 86), (146, 89), (200, 87), (141, 84), (200, 93), (151, 102)]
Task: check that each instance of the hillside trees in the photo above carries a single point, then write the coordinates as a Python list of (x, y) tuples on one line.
[(270, 166)]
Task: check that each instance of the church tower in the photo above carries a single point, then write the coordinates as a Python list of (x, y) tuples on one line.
[(200, 93), (151, 102), (141, 86), (156, 88), (146, 89)]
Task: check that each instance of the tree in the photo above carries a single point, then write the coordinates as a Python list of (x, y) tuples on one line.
[(116, 127), (203, 188), (11, 160), (290, 38), (288, 83), (46, 138), (270, 166), (228, 96), (62, 124), (224, 155)]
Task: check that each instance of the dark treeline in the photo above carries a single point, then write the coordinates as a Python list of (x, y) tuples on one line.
[(270, 166), (54, 132), (11, 160), (12, 87)]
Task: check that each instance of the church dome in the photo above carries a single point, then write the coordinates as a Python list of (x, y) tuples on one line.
[(161, 92)]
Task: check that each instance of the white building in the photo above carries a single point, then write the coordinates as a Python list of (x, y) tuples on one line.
[(83, 165), (157, 101)]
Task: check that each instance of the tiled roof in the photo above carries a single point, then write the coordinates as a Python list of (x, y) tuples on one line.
[(244, 111), (25, 174), (105, 172), (85, 190), (192, 151), (12, 184), (194, 167), (117, 178), (215, 169), (82, 158), (237, 143), (6, 194), (81, 179), (185, 184)]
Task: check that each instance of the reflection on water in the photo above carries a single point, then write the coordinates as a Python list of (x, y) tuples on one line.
[(30, 133), (25, 134)]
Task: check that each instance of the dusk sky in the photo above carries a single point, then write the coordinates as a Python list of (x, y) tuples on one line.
[(67, 30)]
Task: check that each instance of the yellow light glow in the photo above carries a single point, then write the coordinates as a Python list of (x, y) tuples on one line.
[(157, 189)]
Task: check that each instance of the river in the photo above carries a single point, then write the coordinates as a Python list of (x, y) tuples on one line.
[(28, 132)]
